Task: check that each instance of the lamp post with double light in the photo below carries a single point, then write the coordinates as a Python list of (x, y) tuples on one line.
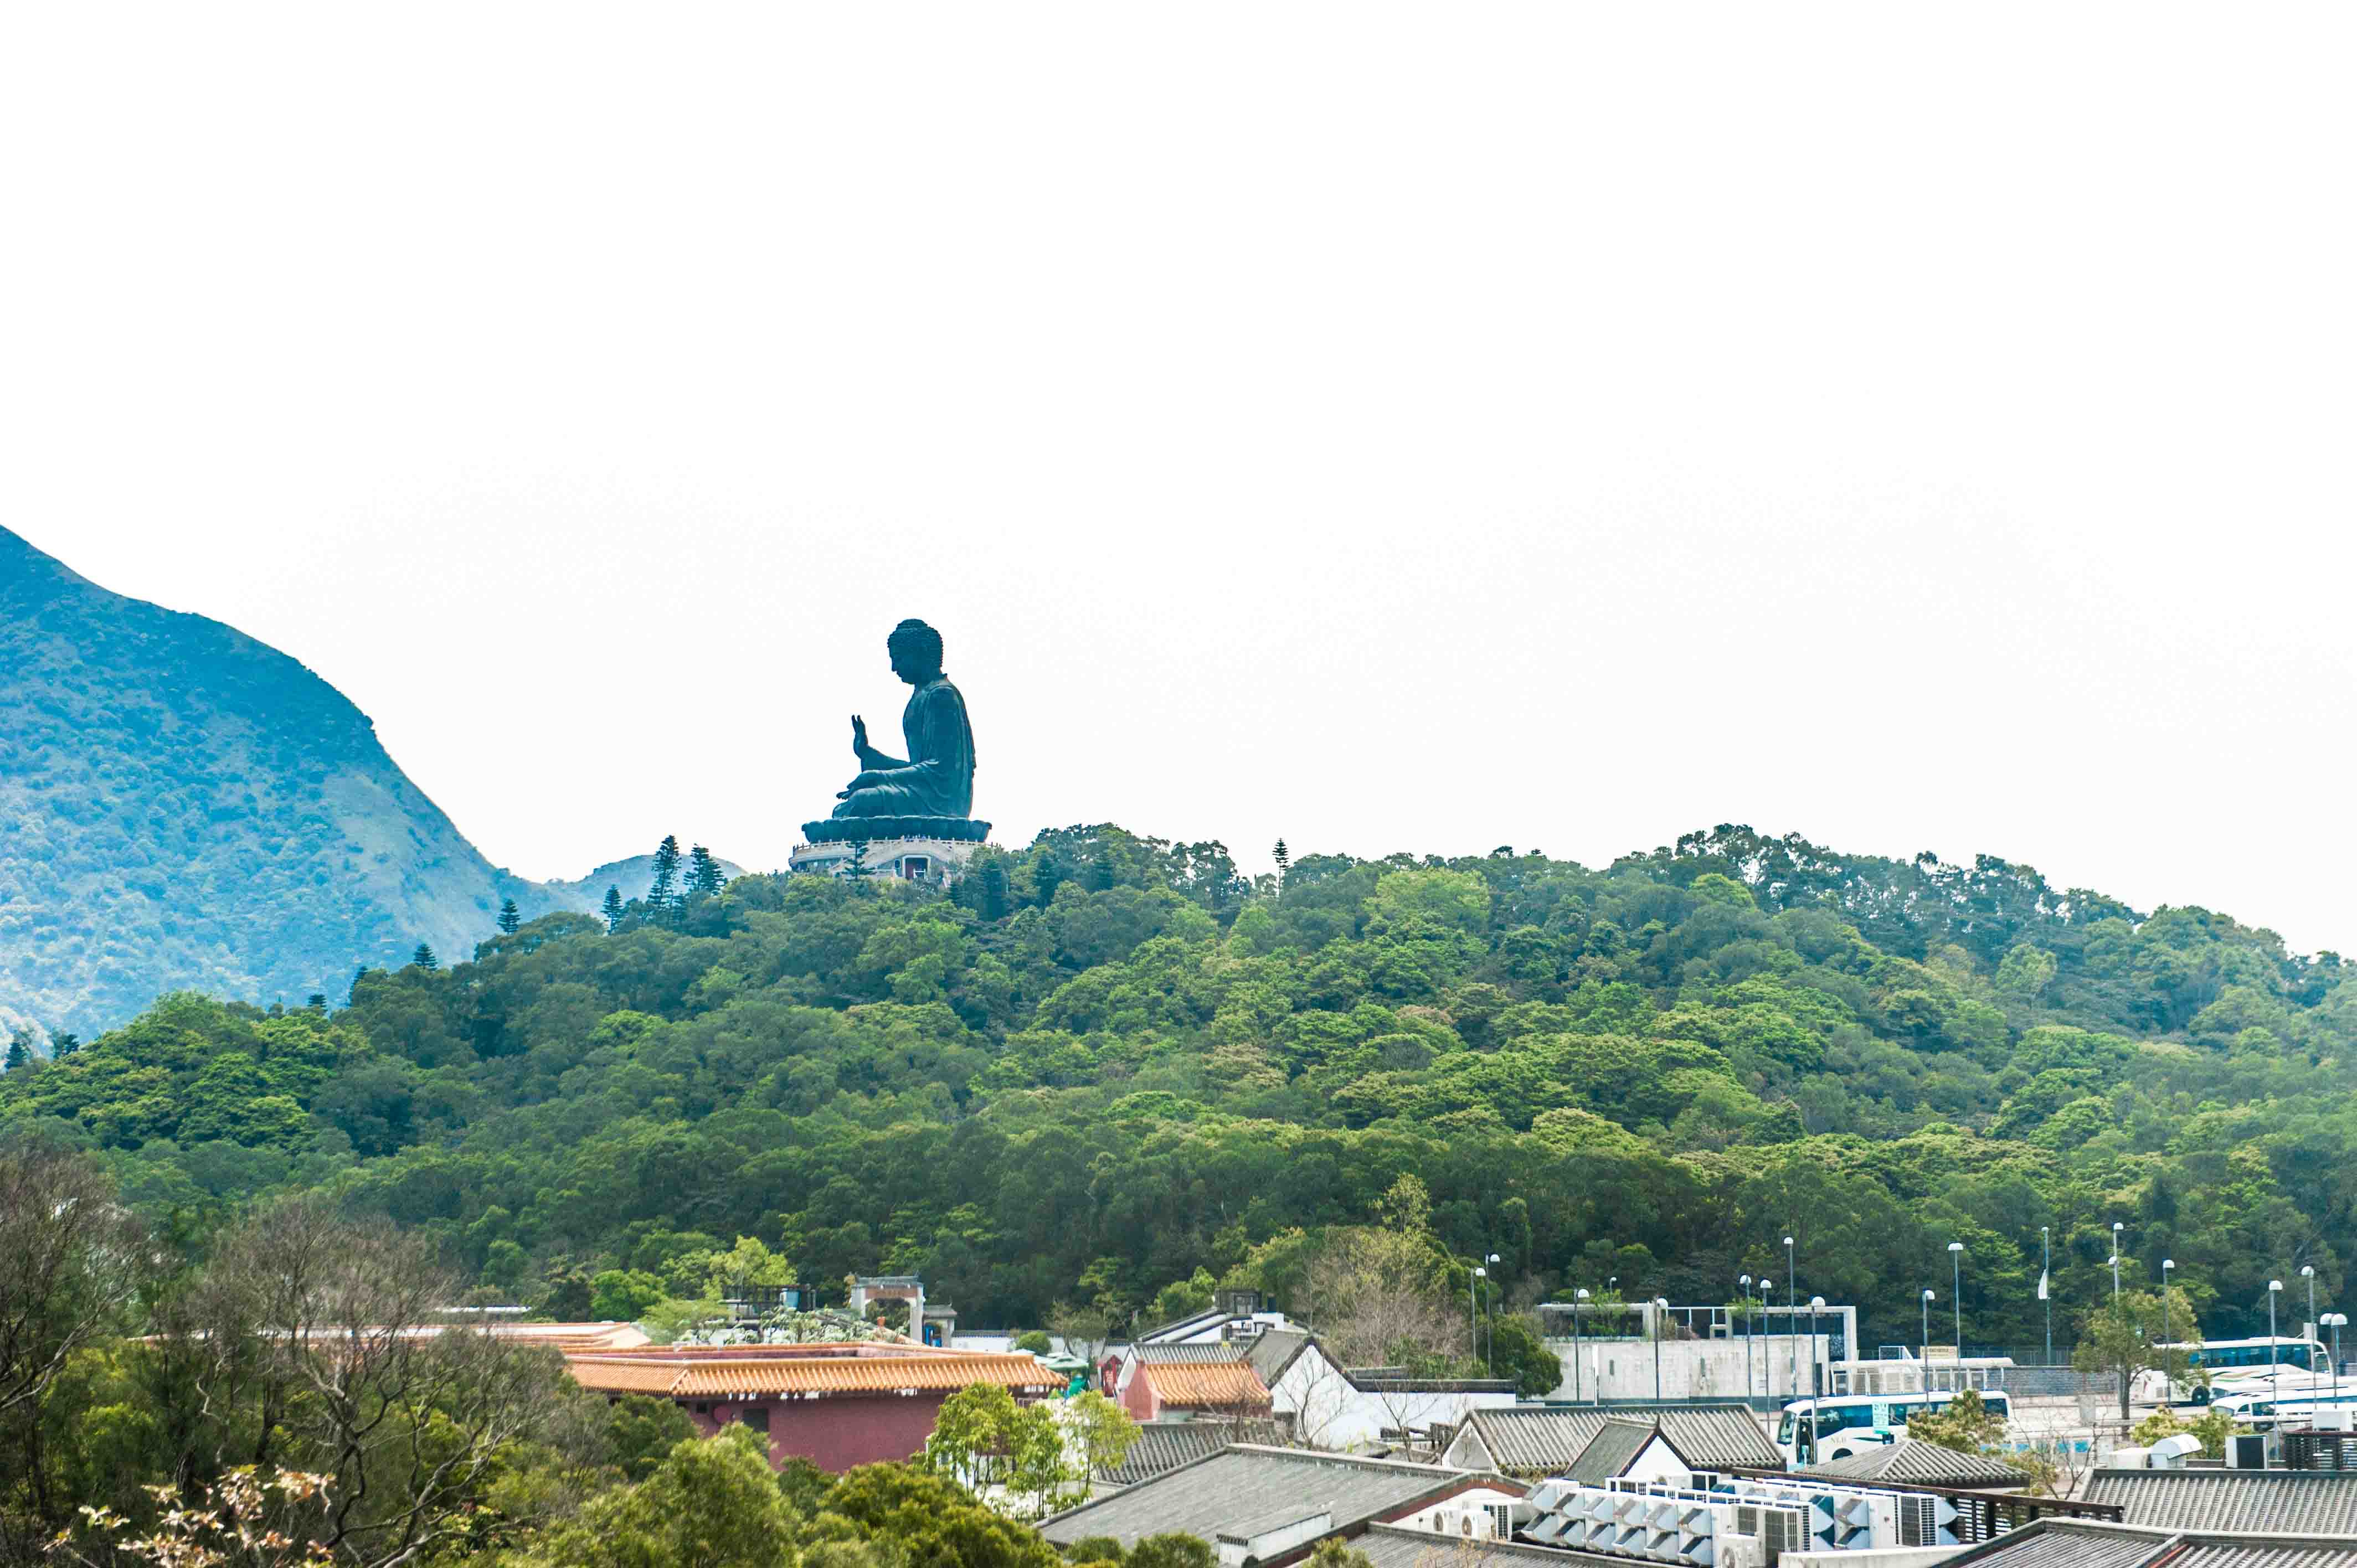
[(1743, 1283), (2308, 1272), (2335, 1321), (1493, 1317), (1473, 1315)]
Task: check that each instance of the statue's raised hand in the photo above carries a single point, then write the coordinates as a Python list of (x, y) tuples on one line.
[(858, 737)]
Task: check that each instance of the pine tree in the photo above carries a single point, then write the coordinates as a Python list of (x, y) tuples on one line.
[(1284, 859), (317, 1002), (994, 891), (613, 910), (663, 891), (20, 1050), (423, 958), (63, 1046), (704, 874), (510, 917)]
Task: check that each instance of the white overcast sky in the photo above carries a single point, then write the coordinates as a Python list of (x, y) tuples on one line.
[(1395, 428)]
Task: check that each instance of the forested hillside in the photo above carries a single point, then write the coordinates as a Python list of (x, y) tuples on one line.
[(1107, 1063), (182, 805)]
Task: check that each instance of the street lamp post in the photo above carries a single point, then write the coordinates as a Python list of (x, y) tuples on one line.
[(1743, 1283), (2168, 1379), (1956, 1300), (2334, 1320), (1577, 1297), (2116, 1228), (1816, 1391), (1927, 1339), (1472, 1314), (1660, 1309), (2308, 1272), (2274, 1289), (1494, 1325), (1767, 1354), (1793, 1312)]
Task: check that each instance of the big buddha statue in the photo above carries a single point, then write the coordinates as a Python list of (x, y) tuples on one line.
[(929, 793)]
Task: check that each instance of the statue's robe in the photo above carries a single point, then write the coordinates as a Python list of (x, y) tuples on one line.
[(937, 779)]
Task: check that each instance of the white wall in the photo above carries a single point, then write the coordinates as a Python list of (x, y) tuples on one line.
[(1691, 1368), (1329, 1412)]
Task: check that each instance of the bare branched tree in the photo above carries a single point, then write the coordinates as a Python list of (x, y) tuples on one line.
[(1378, 1299), (323, 1342), (71, 1262)]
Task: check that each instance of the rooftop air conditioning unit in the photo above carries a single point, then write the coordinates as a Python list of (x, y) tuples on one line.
[(2246, 1450), (2334, 1419), (1926, 1520), (1776, 1530), (2172, 1453)]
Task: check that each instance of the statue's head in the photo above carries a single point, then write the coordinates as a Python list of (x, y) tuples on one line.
[(916, 651)]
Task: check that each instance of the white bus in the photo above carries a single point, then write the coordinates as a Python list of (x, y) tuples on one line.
[(1851, 1425), (2293, 1396), (2242, 1364)]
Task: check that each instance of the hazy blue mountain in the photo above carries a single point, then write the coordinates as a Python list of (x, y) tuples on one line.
[(181, 805)]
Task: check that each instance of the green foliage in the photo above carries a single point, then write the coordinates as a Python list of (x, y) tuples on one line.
[(711, 1503), (1173, 1550), (641, 1433), (1335, 1552), (1035, 1341), (1125, 1074), (1514, 1349), (930, 1520), (1965, 1424)]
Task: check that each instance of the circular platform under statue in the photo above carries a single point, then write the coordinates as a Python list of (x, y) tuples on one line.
[(887, 847)]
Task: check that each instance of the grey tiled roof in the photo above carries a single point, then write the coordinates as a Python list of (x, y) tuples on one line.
[(1609, 1452), (2067, 1543), (1921, 1465), (2078, 1543), (1201, 1498), (2286, 1502), (1391, 1546), (1543, 1440), (1272, 1351), (2258, 1552), (1167, 1445), (1216, 1353)]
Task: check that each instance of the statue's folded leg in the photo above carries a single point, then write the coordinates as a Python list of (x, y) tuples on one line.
[(879, 800)]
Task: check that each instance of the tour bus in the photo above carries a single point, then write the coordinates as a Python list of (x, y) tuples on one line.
[(2242, 1364), (2293, 1394), (1849, 1424)]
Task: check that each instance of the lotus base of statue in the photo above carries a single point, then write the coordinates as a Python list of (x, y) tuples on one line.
[(873, 829)]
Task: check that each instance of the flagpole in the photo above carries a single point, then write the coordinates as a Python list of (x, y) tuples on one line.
[(2045, 1266)]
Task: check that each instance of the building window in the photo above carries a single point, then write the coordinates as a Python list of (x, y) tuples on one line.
[(703, 1407), (758, 1418)]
